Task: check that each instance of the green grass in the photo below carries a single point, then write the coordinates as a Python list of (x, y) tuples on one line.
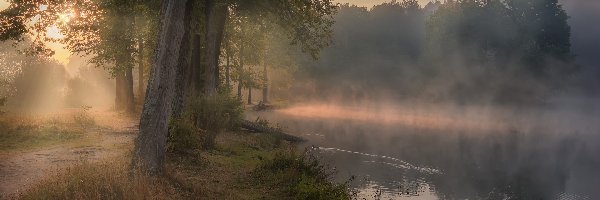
[(22, 134)]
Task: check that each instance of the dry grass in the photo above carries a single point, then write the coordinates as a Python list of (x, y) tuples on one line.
[(109, 180), (20, 132), (238, 168)]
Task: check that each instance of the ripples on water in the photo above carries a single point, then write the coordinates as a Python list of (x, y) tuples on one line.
[(458, 153)]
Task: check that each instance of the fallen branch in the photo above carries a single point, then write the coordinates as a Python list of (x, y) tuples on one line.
[(253, 126)]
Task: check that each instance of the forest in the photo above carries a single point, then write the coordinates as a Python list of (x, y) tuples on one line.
[(299, 99)]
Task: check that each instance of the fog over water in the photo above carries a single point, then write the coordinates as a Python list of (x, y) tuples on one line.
[(452, 152), (366, 122)]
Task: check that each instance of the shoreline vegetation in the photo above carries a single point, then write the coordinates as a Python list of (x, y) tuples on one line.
[(243, 165), (237, 164)]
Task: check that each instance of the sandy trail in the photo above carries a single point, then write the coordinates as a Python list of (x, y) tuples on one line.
[(112, 137)]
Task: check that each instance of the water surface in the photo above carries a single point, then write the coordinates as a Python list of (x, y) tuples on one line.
[(450, 152)]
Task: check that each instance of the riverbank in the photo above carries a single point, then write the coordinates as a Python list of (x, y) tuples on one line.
[(243, 165)]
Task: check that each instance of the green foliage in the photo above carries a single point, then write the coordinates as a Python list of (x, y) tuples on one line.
[(495, 30), (108, 30), (303, 176), (203, 119), (184, 137), (518, 50), (475, 51), (215, 113)]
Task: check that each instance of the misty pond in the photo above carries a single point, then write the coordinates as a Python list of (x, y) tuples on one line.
[(452, 152)]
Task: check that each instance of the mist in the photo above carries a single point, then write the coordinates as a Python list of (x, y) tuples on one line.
[(36, 84), (476, 113), (410, 99)]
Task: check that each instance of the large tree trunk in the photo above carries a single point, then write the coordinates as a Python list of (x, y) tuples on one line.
[(216, 15), (164, 94), (194, 80)]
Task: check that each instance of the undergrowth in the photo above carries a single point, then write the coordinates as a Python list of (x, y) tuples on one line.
[(101, 181), (302, 176), (203, 119), (243, 165), (208, 158)]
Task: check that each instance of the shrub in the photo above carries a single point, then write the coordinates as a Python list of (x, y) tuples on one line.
[(184, 137), (203, 118), (304, 176)]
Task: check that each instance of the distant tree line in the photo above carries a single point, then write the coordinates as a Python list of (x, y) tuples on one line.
[(476, 51)]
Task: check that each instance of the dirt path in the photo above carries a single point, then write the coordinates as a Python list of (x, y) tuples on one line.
[(113, 136)]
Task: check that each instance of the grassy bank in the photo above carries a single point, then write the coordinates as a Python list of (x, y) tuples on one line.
[(242, 165), (26, 132)]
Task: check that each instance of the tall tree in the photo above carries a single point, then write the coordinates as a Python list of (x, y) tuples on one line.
[(307, 22), (216, 16), (165, 91)]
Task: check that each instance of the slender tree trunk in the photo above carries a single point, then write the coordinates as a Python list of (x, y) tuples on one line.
[(124, 90), (119, 92), (141, 70), (240, 71), (164, 94), (249, 96), (265, 89), (216, 16), (227, 81), (129, 99)]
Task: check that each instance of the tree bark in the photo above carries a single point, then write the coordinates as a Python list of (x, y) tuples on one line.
[(240, 68), (194, 80), (129, 99), (124, 90), (124, 76), (216, 15), (141, 70), (164, 96), (119, 93), (265, 89), (249, 96), (228, 56)]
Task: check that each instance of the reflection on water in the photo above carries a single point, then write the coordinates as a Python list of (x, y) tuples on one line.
[(453, 153)]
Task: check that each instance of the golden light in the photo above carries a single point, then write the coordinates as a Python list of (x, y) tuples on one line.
[(436, 120), (65, 17), (54, 32)]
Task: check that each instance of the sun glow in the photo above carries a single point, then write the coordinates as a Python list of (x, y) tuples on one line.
[(65, 17), (61, 53)]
